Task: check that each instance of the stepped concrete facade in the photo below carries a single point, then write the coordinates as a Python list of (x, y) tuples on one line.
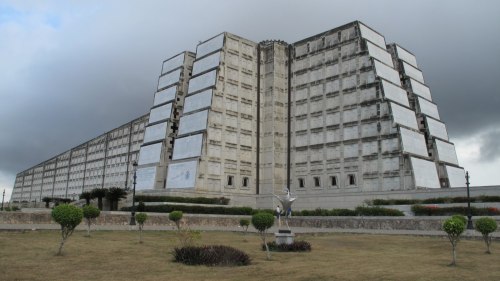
[(341, 112)]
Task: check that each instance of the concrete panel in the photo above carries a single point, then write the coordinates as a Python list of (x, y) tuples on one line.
[(367, 94), (150, 154), (193, 122), (169, 79), (145, 178), (210, 45), (456, 176), (182, 175), (428, 108), (156, 132), (198, 101), (206, 63), (332, 86), (446, 152), (424, 173), (390, 145), (332, 70), (160, 113), (351, 150), (165, 95), (370, 148), (172, 63), (395, 93), (351, 133), (187, 147), (403, 116), (387, 72), (372, 36), (413, 142), (390, 164)]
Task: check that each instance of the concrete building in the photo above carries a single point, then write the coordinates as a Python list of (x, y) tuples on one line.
[(340, 112)]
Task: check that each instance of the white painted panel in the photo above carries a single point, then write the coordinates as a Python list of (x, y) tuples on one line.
[(198, 101), (165, 95), (203, 81), (446, 152), (413, 142), (380, 54), (387, 72), (428, 108), (145, 178), (404, 116), (206, 63), (456, 176), (395, 93), (406, 56), (160, 113), (371, 35), (182, 175), (413, 72), (187, 147), (172, 63), (193, 122), (437, 129), (156, 132), (209, 46), (424, 173), (169, 79), (150, 154), (420, 89)]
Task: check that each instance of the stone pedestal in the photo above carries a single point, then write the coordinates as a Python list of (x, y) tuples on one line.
[(284, 237)]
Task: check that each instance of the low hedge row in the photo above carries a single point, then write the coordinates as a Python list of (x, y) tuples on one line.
[(296, 246), (176, 199), (359, 211), (217, 255), (440, 200), (420, 210)]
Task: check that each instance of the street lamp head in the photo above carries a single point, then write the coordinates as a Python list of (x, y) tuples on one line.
[(134, 164)]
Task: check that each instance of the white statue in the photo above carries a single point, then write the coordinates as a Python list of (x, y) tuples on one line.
[(286, 202)]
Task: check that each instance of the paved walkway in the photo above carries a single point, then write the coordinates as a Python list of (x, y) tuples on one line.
[(468, 234)]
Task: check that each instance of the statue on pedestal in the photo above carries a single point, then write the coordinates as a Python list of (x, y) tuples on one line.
[(286, 202)]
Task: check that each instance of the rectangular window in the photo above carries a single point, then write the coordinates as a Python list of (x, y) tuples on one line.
[(317, 182), (245, 181), (230, 180), (352, 179), (333, 181), (301, 183)]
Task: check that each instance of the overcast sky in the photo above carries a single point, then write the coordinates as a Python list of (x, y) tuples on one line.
[(72, 70)]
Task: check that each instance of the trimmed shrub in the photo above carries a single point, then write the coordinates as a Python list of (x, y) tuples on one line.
[(420, 210), (197, 209), (216, 255), (245, 223), (296, 246), (454, 227), (262, 222), (486, 226), (378, 211), (69, 217), (176, 199), (176, 217), (99, 193), (90, 213), (461, 218), (141, 219), (87, 195)]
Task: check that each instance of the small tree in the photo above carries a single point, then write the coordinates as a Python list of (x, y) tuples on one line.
[(90, 213), (141, 218), (69, 217), (176, 217), (486, 226), (245, 223), (262, 222), (87, 196), (99, 193), (454, 227), (114, 195), (47, 200)]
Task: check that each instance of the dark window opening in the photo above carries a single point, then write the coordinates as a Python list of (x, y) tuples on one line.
[(230, 180), (317, 182), (352, 179), (333, 181), (301, 183), (245, 182)]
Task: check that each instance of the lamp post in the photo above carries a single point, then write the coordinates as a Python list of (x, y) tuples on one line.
[(469, 213), (3, 196), (132, 215)]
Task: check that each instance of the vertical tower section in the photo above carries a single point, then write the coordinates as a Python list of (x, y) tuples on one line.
[(273, 119), (439, 148), (215, 150), (156, 150)]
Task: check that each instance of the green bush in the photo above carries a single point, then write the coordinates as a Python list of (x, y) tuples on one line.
[(454, 227), (486, 226), (463, 219), (14, 208), (69, 217), (141, 219), (420, 210), (296, 246), (216, 255), (197, 209), (176, 217), (262, 222), (245, 223), (442, 200), (378, 211), (90, 213), (195, 200), (141, 207)]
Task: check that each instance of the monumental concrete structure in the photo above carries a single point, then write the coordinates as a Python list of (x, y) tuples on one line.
[(341, 112)]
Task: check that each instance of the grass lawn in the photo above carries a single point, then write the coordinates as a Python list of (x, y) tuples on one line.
[(117, 255)]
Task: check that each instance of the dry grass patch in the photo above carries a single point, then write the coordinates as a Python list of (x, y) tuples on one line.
[(117, 255)]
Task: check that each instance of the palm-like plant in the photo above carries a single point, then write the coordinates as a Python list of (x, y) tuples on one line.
[(99, 193), (87, 196), (114, 195)]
